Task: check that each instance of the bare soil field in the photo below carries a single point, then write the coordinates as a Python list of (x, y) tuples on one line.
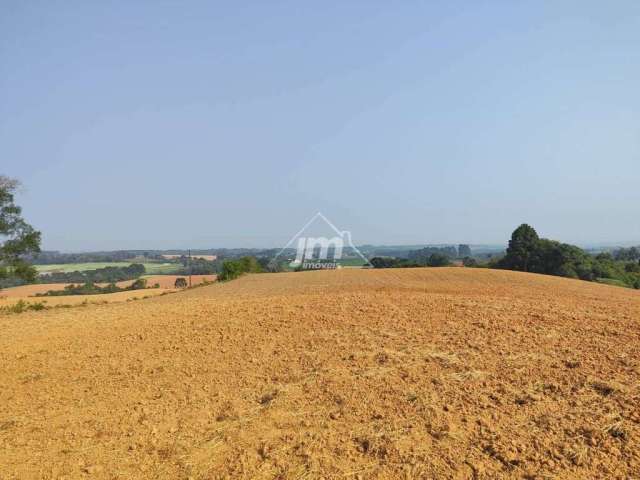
[(345, 374)]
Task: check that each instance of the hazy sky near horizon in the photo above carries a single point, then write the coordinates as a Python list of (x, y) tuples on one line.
[(209, 124)]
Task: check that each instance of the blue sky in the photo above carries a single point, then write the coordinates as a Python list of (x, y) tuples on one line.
[(209, 124)]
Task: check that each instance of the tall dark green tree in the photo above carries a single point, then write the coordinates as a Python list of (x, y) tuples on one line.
[(522, 248), (464, 251), (438, 260), (17, 237)]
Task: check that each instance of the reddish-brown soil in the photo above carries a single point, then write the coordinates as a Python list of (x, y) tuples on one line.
[(417, 373)]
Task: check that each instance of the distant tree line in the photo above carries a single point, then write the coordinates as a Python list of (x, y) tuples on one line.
[(90, 288), (99, 275), (527, 252), (53, 258), (422, 256), (419, 255), (436, 259), (627, 254), (198, 266), (393, 262), (426, 257)]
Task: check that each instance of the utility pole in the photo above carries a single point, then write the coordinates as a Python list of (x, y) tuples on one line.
[(190, 268)]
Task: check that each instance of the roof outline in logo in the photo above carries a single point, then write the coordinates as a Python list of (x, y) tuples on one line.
[(341, 233)]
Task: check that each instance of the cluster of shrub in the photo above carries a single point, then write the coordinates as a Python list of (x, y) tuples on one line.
[(529, 253), (99, 275), (234, 268), (21, 306), (90, 288)]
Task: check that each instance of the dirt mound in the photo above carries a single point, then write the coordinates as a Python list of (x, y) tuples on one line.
[(419, 373)]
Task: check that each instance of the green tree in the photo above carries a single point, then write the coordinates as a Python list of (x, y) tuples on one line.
[(632, 267), (438, 260), (464, 251), (250, 265), (234, 268), (469, 262), (17, 237), (522, 248), (561, 259), (628, 254), (230, 269)]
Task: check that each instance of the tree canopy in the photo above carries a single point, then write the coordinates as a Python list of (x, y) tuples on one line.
[(17, 237), (234, 268), (438, 260), (464, 250), (522, 246), (529, 253), (98, 275)]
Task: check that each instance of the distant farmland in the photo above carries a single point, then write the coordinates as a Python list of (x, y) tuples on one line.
[(78, 267), (150, 267), (162, 268), (210, 258)]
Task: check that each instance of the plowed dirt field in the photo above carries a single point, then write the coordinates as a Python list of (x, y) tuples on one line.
[(27, 293), (345, 374)]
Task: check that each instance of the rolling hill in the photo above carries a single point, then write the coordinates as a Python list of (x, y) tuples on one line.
[(407, 373)]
